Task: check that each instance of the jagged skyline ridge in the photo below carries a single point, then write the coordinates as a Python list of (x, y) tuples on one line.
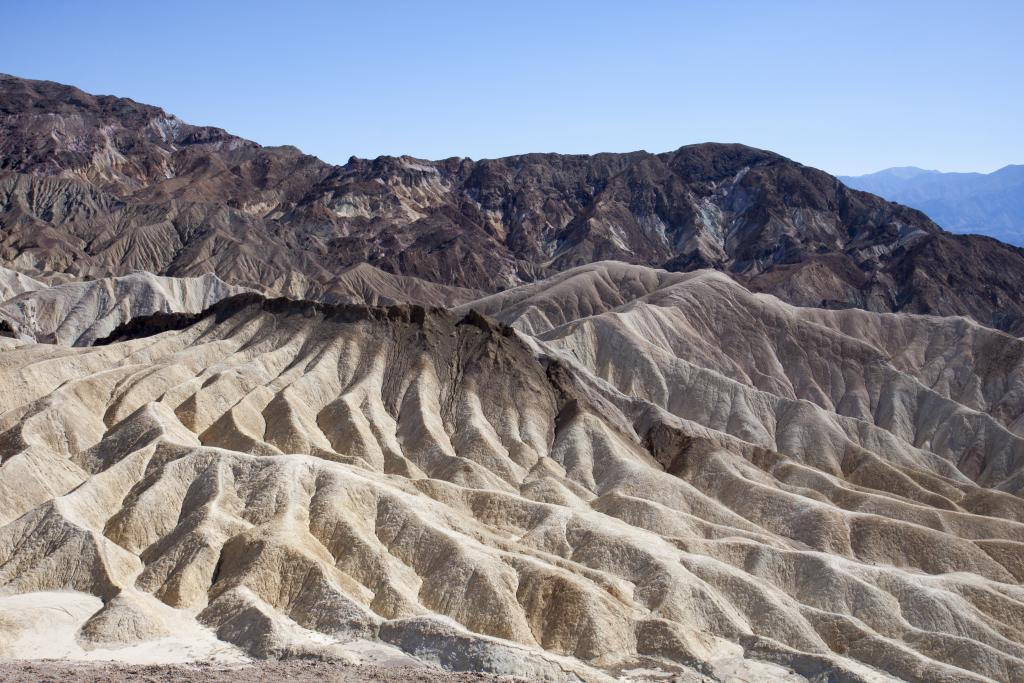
[(95, 186)]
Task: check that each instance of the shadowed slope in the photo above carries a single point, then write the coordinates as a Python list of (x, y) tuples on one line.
[(78, 313)]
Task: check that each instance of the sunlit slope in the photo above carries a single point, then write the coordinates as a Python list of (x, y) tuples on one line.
[(696, 474)]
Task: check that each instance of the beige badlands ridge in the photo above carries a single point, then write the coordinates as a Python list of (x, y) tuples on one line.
[(618, 472)]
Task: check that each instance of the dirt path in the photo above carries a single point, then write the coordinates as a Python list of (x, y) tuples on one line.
[(52, 671)]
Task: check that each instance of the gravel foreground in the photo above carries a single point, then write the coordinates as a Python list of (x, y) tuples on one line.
[(295, 671)]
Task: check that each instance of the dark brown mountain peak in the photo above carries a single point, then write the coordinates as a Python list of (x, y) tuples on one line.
[(192, 199)]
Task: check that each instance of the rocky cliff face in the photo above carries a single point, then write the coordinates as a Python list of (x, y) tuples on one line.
[(97, 186)]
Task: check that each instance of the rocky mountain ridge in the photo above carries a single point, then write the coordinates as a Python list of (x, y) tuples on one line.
[(99, 186)]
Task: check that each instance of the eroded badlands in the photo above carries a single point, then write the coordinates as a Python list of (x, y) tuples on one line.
[(621, 472)]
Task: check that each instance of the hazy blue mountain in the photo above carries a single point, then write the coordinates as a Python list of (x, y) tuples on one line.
[(988, 204)]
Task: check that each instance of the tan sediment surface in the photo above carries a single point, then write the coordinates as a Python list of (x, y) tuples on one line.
[(674, 477)]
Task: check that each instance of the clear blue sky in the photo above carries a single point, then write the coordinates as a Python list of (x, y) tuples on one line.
[(850, 87)]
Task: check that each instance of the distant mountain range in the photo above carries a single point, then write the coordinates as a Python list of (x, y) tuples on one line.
[(988, 204)]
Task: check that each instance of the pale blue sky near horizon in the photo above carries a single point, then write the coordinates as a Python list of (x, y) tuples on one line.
[(849, 87)]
